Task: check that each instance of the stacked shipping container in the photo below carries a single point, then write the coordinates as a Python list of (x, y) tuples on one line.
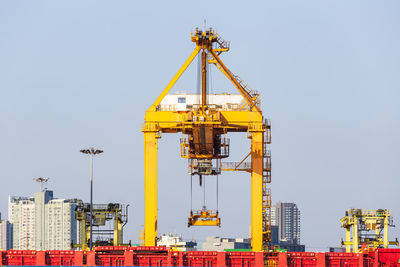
[(161, 256)]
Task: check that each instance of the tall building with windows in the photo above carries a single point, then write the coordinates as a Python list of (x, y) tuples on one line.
[(21, 214), (41, 200), (42, 222), (287, 217), (61, 225), (5, 235)]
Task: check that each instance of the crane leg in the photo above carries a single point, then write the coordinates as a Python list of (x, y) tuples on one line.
[(256, 190), (355, 236), (150, 188), (117, 241), (348, 239), (385, 232)]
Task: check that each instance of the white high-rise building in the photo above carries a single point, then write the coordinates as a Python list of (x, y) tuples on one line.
[(41, 200), (21, 213), (43, 223), (61, 226)]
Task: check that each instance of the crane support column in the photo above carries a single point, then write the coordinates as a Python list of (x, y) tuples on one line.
[(256, 190), (348, 240), (355, 235), (117, 230), (150, 183), (385, 232)]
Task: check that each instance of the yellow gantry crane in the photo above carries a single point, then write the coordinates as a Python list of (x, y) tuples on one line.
[(102, 213), (204, 126), (359, 223)]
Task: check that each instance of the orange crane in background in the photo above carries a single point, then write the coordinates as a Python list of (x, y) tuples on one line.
[(204, 126)]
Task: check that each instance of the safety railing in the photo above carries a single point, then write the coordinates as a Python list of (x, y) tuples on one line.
[(244, 166), (150, 127), (236, 166), (267, 135), (203, 211), (252, 93), (222, 45), (210, 107)]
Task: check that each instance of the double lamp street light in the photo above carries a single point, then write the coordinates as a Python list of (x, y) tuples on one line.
[(91, 151)]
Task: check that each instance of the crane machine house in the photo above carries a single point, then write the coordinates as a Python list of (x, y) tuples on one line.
[(182, 101)]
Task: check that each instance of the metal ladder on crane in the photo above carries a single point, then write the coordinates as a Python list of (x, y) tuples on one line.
[(252, 93), (266, 180), (266, 189), (222, 45)]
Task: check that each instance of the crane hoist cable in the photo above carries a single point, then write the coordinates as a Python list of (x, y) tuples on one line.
[(210, 79), (198, 81), (204, 193), (191, 192), (217, 193)]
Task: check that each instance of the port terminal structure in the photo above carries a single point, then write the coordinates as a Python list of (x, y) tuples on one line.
[(204, 127), (102, 213), (359, 224)]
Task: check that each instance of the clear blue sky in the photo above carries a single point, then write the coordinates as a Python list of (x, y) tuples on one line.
[(75, 74)]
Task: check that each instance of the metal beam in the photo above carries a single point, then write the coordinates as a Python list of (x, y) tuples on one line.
[(256, 190), (174, 79), (234, 81), (150, 188)]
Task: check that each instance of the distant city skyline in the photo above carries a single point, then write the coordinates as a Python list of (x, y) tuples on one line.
[(43, 222)]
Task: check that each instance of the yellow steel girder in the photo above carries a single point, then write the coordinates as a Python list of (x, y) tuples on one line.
[(150, 187), (229, 74), (174, 79), (174, 121)]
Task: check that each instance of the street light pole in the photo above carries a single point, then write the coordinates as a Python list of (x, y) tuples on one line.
[(91, 201), (92, 152)]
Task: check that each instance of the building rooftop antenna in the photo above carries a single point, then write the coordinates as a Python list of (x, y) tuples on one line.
[(41, 180)]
